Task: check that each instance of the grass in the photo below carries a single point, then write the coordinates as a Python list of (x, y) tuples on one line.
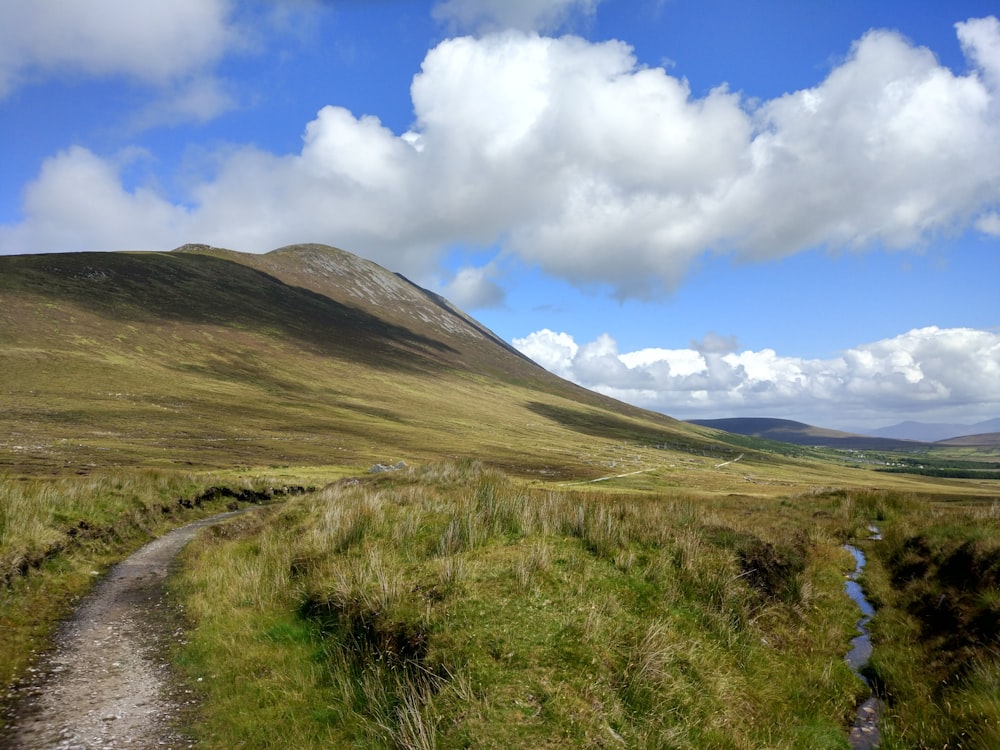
[(934, 580), (455, 606)]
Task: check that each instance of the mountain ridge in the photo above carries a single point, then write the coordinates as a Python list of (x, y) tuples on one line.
[(933, 432), (800, 433)]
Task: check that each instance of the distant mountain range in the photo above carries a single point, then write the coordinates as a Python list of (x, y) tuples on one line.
[(932, 432), (799, 433)]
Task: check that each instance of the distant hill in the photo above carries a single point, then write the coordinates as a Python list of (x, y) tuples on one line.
[(799, 433), (307, 355), (986, 440), (931, 432)]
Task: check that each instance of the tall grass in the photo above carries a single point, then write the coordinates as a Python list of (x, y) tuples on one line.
[(451, 606), (38, 516)]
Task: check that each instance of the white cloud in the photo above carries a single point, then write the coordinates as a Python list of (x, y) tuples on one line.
[(87, 193), (526, 15), (197, 100), (155, 41), (474, 289), (890, 148), (980, 40), (553, 351), (989, 224), (919, 373), (578, 160)]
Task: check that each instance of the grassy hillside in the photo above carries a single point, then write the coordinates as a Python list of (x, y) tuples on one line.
[(552, 568), (984, 440), (194, 359)]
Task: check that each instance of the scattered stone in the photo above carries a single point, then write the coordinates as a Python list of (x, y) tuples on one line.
[(379, 468)]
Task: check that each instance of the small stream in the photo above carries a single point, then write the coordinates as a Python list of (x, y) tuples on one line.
[(865, 732)]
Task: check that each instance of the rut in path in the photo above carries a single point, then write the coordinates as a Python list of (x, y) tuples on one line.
[(105, 685)]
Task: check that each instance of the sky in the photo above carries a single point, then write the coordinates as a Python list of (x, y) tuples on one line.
[(710, 208)]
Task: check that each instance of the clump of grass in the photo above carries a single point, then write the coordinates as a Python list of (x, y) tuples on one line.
[(535, 560), (652, 664), (452, 572)]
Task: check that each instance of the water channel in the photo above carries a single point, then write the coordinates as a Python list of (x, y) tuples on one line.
[(865, 732)]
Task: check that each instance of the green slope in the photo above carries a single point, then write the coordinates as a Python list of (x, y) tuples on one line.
[(307, 355)]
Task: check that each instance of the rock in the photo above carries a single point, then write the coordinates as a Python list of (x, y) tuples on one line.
[(379, 468)]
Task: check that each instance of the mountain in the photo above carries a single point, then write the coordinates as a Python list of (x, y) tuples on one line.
[(799, 433), (982, 440), (307, 355), (930, 432)]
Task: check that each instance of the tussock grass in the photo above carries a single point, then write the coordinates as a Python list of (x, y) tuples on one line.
[(451, 606)]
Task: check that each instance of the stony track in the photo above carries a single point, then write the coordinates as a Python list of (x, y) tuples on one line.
[(107, 684)]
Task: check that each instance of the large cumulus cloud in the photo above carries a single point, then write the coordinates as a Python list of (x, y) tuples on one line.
[(575, 158), (924, 372)]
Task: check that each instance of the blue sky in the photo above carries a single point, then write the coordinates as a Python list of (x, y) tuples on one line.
[(710, 208)]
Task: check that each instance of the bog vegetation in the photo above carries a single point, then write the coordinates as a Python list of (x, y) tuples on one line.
[(454, 607)]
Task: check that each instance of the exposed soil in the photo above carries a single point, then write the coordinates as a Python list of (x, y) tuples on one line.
[(107, 684)]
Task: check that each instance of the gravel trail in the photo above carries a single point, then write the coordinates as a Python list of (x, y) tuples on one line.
[(106, 685)]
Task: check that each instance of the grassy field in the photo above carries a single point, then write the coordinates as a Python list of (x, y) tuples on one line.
[(454, 606), (451, 604)]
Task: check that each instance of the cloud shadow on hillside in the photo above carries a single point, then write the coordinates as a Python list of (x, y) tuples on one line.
[(606, 425), (203, 290)]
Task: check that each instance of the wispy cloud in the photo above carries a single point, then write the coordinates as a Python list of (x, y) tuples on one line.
[(199, 99), (989, 224), (524, 15), (474, 288)]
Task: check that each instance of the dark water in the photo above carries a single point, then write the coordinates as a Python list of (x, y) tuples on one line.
[(861, 645), (864, 734)]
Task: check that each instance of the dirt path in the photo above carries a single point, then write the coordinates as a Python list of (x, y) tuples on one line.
[(106, 685)]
